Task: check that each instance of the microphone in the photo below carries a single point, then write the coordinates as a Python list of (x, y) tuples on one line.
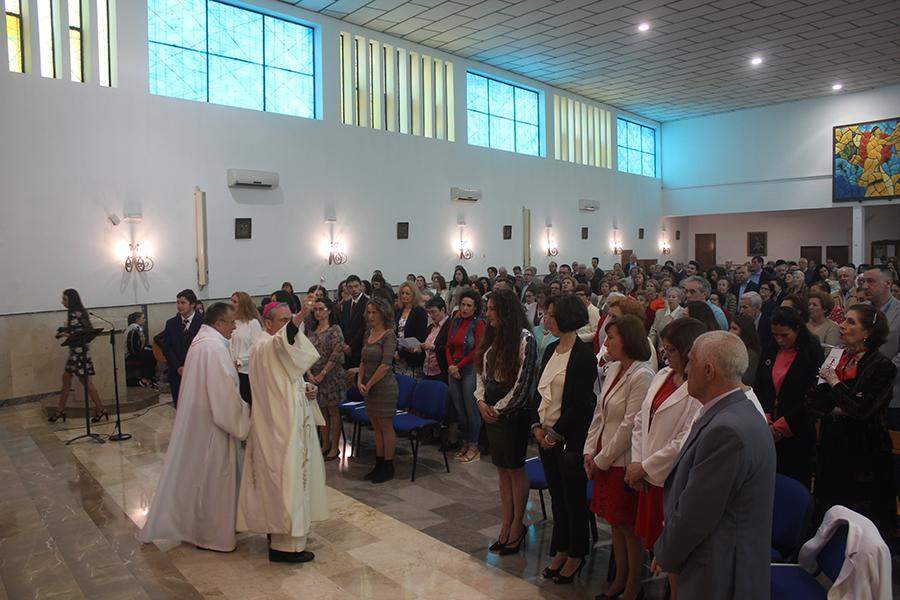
[(102, 319)]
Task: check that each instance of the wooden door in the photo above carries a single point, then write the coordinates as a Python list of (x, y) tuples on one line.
[(626, 256), (882, 250), (812, 253), (839, 254), (705, 249)]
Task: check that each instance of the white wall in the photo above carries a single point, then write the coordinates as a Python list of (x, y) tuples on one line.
[(788, 230), (770, 158), (74, 152)]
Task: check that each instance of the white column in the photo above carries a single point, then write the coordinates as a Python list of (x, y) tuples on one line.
[(858, 235)]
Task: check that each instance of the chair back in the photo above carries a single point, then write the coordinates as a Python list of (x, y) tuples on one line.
[(534, 470), (353, 395), (790, 515), (405, 385), (429, 398), (831, 558)]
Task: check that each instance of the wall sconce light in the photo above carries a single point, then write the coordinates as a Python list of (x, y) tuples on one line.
[(337, 252), (664, 245), (463, 246), (550, 245), (136, 261), (616, 243)]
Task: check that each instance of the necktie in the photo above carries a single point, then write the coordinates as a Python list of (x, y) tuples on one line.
[(186, 322)]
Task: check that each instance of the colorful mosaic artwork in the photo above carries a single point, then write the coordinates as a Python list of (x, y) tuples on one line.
[(867, 161)]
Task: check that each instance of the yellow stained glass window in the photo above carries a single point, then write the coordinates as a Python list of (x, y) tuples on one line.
[(103, 38), (76, 49), (14, 36)]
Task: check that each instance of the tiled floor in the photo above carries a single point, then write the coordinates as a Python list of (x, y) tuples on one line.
[(70, 515)]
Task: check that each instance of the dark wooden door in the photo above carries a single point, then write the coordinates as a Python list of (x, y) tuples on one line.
[(839, 254), (705, 249), (626, 256), (812, 253)]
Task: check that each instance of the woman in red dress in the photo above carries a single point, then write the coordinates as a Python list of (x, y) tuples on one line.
[(607, 450), (660, 428)]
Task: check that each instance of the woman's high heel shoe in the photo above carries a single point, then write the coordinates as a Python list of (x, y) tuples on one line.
[(550, 573), (96, 418), (506, 549), (497, 545), (567, 579), (60, 414)]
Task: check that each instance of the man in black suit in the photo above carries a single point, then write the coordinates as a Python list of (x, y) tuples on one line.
[(178, 335), (751, 306), (353, 321), (742, 282)]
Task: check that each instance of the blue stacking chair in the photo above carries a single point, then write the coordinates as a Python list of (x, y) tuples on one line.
[(790, 516), (428, 400), (792, 582)]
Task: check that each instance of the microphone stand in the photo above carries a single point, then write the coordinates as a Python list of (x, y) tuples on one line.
[(118, 436)]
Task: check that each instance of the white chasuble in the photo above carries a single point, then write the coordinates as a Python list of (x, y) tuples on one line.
[(196, 496), (283, 482)]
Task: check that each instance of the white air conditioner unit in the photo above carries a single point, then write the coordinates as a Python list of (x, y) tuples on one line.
[(587, 206), (252, 179), (464, 195)]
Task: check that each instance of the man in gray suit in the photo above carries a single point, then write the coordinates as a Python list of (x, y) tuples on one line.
[(875, 285), (718, 497)]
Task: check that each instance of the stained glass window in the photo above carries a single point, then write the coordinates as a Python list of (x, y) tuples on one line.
[(636, 148), (219, 53), (502, 116), (15, 44), (76, 45), (47, 37), (104, 38)]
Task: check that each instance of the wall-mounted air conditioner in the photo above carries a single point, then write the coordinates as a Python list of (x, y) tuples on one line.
[(464, 195), (252, 179), (587, 206)]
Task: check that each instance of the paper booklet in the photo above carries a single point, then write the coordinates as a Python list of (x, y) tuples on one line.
[(409, 343), (831, 361)]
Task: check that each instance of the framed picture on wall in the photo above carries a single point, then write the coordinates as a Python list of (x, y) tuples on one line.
[(507, 232), (864, 161), (403, 230), (757, 243)]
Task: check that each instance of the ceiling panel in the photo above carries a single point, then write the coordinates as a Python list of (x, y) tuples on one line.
[(695, 59)]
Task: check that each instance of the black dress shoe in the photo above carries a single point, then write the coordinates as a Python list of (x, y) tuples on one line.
[(290, 557)]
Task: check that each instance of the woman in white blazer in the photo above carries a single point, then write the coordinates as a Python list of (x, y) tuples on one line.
[(607, 450), (660, 428)]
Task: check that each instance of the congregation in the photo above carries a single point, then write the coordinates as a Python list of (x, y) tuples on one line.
[(604, 371)]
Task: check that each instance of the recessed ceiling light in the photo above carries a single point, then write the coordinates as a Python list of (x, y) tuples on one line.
[(756, 60), (644, 27), (837, 87)]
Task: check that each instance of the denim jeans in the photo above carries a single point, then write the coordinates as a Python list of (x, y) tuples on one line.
[(462, 395)]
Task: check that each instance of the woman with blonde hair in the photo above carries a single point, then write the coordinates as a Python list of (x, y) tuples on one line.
[(247, 329), (411, 328)]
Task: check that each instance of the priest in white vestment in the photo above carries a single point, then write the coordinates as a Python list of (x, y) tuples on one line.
[(196, 496), (283, 482)]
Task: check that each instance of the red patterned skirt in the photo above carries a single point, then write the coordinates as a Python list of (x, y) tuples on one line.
[(649, 522), (613, 501)]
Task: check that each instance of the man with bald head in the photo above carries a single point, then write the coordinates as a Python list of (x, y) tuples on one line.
[(718, 497)]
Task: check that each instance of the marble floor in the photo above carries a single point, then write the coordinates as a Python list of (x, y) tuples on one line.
[(70, 516)]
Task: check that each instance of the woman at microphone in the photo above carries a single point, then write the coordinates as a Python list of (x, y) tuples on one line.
[(79, 363)]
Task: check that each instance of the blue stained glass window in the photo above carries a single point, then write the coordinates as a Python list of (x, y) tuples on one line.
[(478, 129), (502, 116), (636, 145), (211, 51)]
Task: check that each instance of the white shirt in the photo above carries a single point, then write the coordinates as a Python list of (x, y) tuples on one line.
[(714, 401), (586, 333), (550, 387), (245, 334), (190, 320)]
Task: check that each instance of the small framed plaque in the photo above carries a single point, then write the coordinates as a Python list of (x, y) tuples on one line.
[(403, 230), (243, 229), (584, 233), (507, 232)]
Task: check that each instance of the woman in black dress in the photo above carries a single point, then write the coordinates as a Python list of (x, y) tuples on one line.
[(854, 455), (79, 363), (786, 374), (505, 377)]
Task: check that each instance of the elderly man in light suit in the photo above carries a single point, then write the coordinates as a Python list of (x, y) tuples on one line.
[(718, 497)]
